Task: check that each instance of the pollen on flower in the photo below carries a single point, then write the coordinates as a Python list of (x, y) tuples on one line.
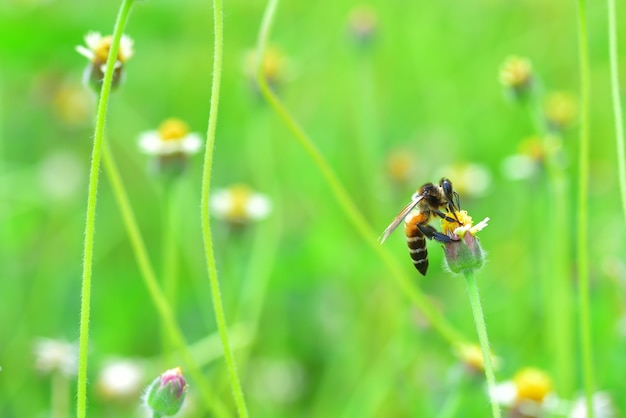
[(454, 228), (516, 72), (173, 129), (532, 384)]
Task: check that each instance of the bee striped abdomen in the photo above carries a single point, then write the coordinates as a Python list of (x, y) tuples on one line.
[(416, 241)]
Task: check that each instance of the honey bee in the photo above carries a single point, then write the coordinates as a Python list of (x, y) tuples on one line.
[(425, 205)]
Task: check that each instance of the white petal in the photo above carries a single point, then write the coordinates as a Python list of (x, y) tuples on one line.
[(504, 393), (93, 39), (518, 167), (126, 48), (221, 203), (85, 52), (258, 207), (191, 144)]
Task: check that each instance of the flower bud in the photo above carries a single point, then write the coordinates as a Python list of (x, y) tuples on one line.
[(517, 77), (166, 393), (464, 253)]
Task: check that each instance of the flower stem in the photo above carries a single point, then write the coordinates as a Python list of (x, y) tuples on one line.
[(481, 329), (90, 222), (149, 277), (60, 395), (351, 211), (617, 103), (169, 256), (206, 226), (583, 211)]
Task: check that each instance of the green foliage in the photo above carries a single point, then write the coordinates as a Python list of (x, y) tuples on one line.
[(324, 330)]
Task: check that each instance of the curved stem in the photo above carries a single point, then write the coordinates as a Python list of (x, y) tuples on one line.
[(583, 211), (90, 223), (351, 211), (150, 280), (481, 329), (617, 103), (206, 226)]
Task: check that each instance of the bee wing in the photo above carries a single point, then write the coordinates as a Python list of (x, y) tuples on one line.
[(399, 218)]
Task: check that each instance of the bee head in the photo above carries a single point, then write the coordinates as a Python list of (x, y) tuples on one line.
[(451, 196)]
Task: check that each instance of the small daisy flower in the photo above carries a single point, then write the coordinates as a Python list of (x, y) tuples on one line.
[(362, 24), (400, 166), (559, 110), (121, 379), (97, 52), (516, 75), (603, 407), (273, 67), (240, 205), (464, 252), (528, 394), (471, 179), (171, 145), (471, 357), (56, 356)]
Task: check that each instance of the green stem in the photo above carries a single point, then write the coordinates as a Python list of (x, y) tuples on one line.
[(481, 329), (90, 223), (617, 103), (169, 256), (149, 277), (60, 395), (557, 295), (351, 211), (206, 226), (583, 211)]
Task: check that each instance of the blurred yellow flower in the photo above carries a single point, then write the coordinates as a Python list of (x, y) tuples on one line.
[(239, 204), (98, 46), (172, 137)]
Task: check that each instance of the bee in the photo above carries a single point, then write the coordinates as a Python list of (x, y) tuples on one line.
[(425, 205)]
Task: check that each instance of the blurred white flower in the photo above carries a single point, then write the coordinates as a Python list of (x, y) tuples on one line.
[(528, 394), (121, 379), (277, 381), (56, 356), (469, 179), (172, 137), (602, 407), (98, 46), (61, 174), (239, 204), (519, 167)]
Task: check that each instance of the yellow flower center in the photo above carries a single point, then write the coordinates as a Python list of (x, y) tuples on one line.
[(173, 130), (101, 51), (560, 108), (515, 72), (240, 195), (449, 226), (472, 356), (532, 384)]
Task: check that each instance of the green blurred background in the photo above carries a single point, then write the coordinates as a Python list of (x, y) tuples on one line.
[(336, 336)]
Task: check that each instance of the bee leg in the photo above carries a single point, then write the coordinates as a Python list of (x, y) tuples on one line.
[(446, 217), (431, 233)]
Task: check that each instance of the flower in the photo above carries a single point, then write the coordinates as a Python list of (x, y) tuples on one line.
[(516, 75), (97, 52), (559, 110), (362, 24), (171, 145), (273, 67), (602, 407), (464, 252), (528, 160), (400, 166), (56, 356), (471, 357), (471, 179), (528, 394), (121, 379), (172, 137), (240, 205), (166, 393)]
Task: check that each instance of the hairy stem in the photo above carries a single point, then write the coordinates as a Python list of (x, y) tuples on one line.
[(206, 225), (168, 322), (90, 223), (481, 329)]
